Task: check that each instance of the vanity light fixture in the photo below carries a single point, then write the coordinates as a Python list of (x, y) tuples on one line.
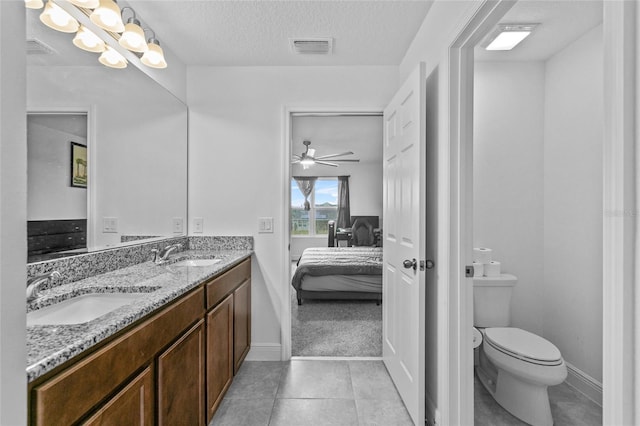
[(133, 36), (508, 36), (112, 58), (59, 19), (154, 57), (33, 4), (107, 16), (85, 39)]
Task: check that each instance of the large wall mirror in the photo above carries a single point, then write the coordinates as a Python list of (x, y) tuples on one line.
[(107, 151)]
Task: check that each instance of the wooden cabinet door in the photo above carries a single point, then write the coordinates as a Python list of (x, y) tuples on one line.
[(181, 380), (219, 353), (133, 405), (241, 324)]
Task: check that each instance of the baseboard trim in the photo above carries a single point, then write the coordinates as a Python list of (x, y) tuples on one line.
[(584, 383), (265, 352)]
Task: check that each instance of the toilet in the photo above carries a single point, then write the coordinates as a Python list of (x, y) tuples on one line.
[(514, 365)]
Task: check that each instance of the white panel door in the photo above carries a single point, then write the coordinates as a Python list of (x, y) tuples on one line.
[(404, 220)]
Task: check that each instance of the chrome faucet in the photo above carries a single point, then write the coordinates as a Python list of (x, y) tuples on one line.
[(33, 284), (161, 256)]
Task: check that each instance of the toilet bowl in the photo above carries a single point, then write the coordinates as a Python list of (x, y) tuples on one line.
[(516, 367)]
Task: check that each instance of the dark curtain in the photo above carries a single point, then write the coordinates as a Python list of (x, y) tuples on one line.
[(344, 211), (306, 187)]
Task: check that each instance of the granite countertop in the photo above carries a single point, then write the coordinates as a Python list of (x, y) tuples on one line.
[(49, 346)]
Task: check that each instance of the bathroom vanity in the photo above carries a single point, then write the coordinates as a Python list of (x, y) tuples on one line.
[(167, 358)]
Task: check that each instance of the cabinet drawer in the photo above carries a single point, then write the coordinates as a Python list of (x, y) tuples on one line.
[(72, 393), (221, 286), (131, 406)]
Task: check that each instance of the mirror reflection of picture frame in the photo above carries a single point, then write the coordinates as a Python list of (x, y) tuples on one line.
[(78, 165)]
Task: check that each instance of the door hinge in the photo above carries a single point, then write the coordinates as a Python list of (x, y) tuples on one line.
[(468, 271)]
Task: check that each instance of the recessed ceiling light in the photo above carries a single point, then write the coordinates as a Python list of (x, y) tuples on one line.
[(508, 36)]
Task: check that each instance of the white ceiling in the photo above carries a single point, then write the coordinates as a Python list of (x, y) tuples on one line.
[(256, 33), (361, 135), (561, 23)]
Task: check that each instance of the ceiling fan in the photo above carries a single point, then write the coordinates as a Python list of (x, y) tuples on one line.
[(309, 158)]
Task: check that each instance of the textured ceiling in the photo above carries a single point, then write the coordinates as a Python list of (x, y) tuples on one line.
[(561, 23), (255, 33)]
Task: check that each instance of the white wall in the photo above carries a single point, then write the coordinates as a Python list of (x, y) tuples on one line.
[(13, 214), (49, 192), (237, 159), (574, 120), (508, 185), (139, 151), (538, 191)]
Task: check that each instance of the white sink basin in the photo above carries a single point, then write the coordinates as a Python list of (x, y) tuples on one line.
[(197, 262), (81, 309)]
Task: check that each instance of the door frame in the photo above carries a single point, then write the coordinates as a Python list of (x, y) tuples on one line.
[(92, 149), (285, 149), (619, 26)]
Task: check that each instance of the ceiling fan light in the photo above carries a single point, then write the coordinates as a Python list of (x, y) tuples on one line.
[(85, 39), (107, 16), (112, 58), (33, 4), (154, 57), (307, 161), (86, 4), (133, 37), (59, 19)]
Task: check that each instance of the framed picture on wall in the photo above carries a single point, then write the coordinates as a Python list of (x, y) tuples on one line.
[(78, 165)]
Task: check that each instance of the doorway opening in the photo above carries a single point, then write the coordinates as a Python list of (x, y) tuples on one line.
[(58, 184), (334, 181), (534, 107)]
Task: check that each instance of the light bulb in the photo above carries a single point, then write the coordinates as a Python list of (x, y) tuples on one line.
[(154, 57), (133, 37), (34, 4), (112, 58), (85, 39), (59, 19)]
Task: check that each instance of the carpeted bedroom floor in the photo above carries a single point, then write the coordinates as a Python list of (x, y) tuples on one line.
[(349, 328)]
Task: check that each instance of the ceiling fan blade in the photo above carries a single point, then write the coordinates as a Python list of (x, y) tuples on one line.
[(325, 163), (297, 157), (344, 161), (295, 161), (324, 157)]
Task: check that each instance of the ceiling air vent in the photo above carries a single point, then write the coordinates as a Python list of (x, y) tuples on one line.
[(312, 46), (36, 47)]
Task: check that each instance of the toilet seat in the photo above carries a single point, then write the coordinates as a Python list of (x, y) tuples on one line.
[(523, 345)]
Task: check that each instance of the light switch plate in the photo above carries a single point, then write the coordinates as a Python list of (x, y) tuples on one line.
[(109, 225), (178, 225), (265, 225), (198, 225)]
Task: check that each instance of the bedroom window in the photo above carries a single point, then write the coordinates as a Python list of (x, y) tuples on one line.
[(324, 207)]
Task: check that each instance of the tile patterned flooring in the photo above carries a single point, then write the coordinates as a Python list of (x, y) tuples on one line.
[(312, 393), (568, 408), (318, 393)]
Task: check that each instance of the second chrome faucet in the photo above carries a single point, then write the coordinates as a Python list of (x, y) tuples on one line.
[(161, 256)]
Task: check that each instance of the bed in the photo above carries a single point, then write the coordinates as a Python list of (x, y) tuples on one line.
[(339, 273)]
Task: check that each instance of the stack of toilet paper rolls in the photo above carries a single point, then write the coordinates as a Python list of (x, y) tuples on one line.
[(483, 264)]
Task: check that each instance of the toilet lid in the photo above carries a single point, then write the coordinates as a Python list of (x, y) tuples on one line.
[(522, 344)]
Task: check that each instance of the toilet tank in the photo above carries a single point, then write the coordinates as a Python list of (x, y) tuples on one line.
[(492, 300)]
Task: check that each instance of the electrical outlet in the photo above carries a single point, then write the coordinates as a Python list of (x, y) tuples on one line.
[(198, 225), (109, 225), (178, 225), (265, 225)]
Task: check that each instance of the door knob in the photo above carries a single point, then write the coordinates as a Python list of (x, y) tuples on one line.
[(410, 264)]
